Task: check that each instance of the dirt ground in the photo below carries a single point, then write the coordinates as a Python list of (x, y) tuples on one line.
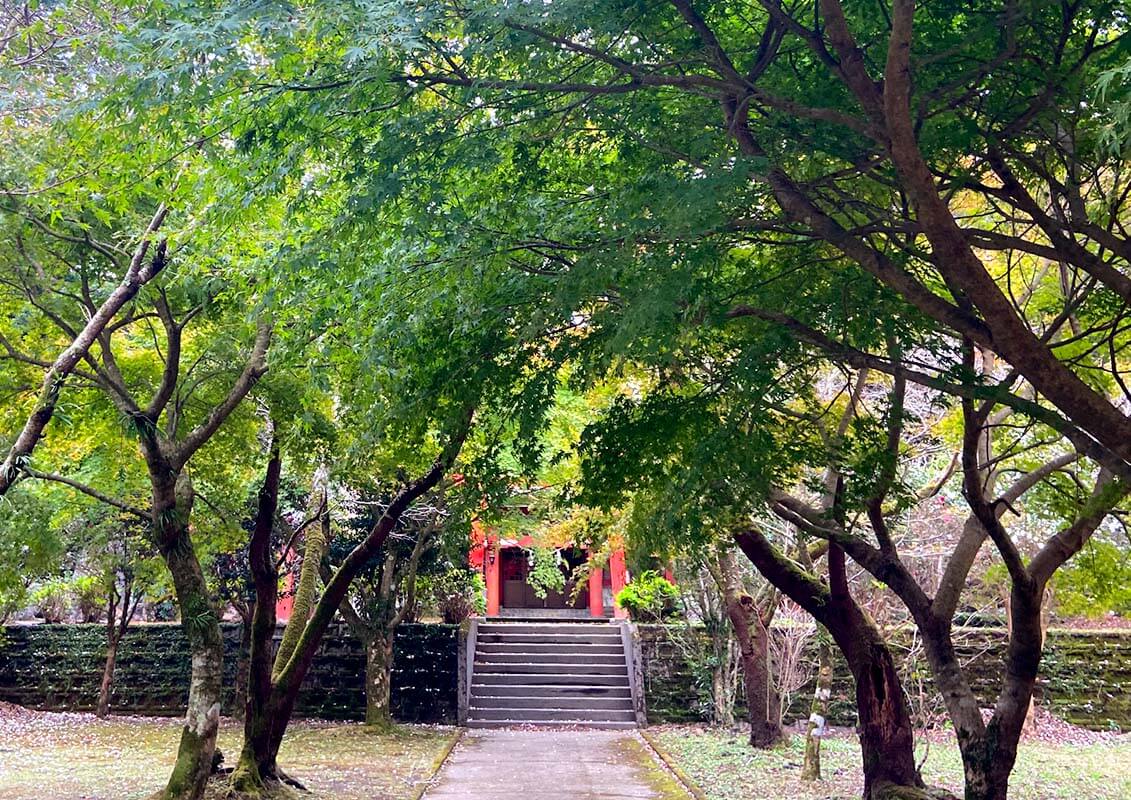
[(78, 757), (1060, 762)]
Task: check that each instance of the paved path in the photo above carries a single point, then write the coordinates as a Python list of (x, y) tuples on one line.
[(553, 765)]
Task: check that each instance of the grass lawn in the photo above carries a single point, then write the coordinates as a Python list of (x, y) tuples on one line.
[(725, 767), (77, 757)]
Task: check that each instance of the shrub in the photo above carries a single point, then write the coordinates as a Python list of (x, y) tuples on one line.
[(52, 600), (649, 598), (455, 594), (90, 597)]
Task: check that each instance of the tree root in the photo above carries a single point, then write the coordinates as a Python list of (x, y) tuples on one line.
[(247, 783), (893, 791)]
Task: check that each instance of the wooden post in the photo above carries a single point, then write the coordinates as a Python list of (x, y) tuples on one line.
[(596, 591), (619, 573), (493, 555)]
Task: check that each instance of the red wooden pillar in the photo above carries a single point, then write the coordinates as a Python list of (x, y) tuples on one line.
[(619, 574), (492, 576), (285, 603), (596, 591)]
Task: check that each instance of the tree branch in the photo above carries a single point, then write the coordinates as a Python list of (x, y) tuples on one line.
[(102, 497)]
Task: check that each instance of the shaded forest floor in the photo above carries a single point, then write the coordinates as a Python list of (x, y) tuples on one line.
[(78, 757), (725, 767)]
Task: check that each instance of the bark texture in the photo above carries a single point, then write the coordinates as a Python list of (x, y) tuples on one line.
[(750, 617), (886, 737), (818, 709), (378, 680), (172, 506)]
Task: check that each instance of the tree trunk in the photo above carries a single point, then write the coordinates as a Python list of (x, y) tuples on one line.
[(886, 738), (284, 685), (887, 742), (256, 766), (762, 702), (989, 750), (243, 668), (171, 510), (317, 535), (379, 680), (818, 710), (751, 629), (102, 710)]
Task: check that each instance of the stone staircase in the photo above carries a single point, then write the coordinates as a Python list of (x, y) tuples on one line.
[(550, 673)]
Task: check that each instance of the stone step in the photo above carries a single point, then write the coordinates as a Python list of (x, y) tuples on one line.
[(616, 648), (544, 617), (555, 679), (549, 690), (550, 628), (565, 656), (548, 714), (589, 703), (509, 637), (550, 673), (506, 723), (526, 668)]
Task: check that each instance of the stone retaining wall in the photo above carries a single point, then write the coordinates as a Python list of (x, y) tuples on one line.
[(1085, 675), (60, 667)]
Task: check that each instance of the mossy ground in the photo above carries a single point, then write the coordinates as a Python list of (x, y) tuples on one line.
[(725, 767), (76, 757)]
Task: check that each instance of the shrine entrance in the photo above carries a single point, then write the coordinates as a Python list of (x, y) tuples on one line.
[(506, 565), (518, 592)]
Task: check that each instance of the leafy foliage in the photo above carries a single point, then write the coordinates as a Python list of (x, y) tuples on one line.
[(649, 597), (1097, 582)]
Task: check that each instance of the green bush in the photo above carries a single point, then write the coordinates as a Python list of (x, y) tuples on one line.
[(649, 598), (52, 600), (455, 594), (90, 597)]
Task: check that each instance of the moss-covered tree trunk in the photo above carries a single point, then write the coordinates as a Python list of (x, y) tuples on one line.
[(379, 680), (172, 507), (818, 709)]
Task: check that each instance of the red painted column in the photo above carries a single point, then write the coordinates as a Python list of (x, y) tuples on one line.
[(596, 592), (492, 577), (619, 574), (285, 599)]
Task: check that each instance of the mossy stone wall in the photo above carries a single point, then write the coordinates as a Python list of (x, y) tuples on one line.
[(59, 667), (1085, 676)]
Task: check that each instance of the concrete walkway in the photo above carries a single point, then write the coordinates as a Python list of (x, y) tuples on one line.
[(513, 764)]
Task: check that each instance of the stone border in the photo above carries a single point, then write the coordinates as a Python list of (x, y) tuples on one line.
[(437, 764), (681, 776), (630, 640)]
